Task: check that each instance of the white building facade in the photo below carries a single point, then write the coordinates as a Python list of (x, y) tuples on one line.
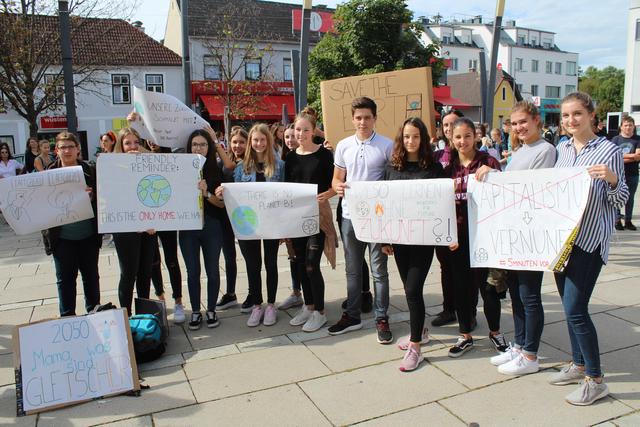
[(631, 102)]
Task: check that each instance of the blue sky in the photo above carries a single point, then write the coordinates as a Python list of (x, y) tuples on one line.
[(594, 29)]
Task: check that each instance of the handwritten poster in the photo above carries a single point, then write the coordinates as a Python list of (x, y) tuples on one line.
[(398, 95), (416, 212), (525, 220), (42, 200), (73, 359), (138, 192), (272, 210), (165, 118)]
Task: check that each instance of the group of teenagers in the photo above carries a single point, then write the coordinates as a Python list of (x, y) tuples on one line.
[(254, 156)]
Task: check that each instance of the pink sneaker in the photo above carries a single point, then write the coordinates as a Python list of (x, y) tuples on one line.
[(411, 360), (403, 342), (256, 316), (270, 315)]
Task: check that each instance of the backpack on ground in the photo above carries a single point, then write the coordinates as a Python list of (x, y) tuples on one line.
[(149, 340)]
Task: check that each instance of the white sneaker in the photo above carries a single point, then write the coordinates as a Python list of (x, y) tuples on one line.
[(505, 357), (292, 300), (315, 322), (178, 314), (270, 315), (301, 317), (519, 366), (256, 316)]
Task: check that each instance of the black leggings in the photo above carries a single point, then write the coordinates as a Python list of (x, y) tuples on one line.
[(413, 263), (169, 240), (229, 252), (135, 256), (253, 259), (446, 280), (308, 254), (365, 268)]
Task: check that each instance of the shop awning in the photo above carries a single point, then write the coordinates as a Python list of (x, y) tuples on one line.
[(266, 107), (450, 101)]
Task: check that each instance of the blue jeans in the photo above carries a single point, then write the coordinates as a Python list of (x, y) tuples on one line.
[(528, 314), (632, 183), (354, 257), (210, 240), (575, 285)]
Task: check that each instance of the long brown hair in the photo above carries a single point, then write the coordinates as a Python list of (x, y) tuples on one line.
[(118, 148), (250, 161), (425, 152), (235, 131), (462, 121)]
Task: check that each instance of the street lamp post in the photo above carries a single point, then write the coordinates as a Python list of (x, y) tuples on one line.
[(67, 66), (304, 54), (491, 87)]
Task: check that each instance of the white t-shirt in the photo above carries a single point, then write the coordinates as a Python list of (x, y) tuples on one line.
[(10, 168), (362, 160)]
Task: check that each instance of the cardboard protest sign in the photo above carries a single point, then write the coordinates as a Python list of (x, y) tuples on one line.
[(42, 200), (272, 210), (138, 192), (416, 212), (526, 220), (73, 359), (165, 118), (398, 95)]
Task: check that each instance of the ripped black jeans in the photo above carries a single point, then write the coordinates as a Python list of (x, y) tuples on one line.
[(308, 253)]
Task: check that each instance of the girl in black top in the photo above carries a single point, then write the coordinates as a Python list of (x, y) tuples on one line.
[(412, 158)]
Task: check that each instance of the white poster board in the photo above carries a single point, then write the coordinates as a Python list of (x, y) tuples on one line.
[(165, 118), (272, 210), (525, 220), (73, 359), (138, 192), (42, 200), (408, 212)]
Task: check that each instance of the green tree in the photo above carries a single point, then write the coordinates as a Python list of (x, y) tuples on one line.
[(605, 86), (371, 36)]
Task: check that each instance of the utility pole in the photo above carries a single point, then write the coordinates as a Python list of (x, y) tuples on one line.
[(67, 66), (491, 86), (483, 85), (304, 54), (295, 62), (186, 58)]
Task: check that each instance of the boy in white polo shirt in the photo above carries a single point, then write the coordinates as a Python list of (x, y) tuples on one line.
[(362, 157)]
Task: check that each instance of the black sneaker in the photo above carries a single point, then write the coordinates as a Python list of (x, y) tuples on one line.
[(444, 318), (499, 343), (227, 301), (196, 321), (345, 324), (384, 333), (247, 305), (461, 347), (619, 226), (212, 319), (367, 302), (628, 225)]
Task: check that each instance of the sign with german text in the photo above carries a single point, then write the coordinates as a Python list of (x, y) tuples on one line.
[(272, 210), (526, 220), (138, 192), (415, 212), (398, 95), (73, 359)]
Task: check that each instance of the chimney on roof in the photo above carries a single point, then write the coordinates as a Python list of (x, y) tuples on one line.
[(138, 25)]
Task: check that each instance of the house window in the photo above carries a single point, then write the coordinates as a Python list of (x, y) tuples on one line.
[(454, 64), (504, 93), (534, 65), (121, 88), (558, 67), (287, 71), (154, 82), (211, 68), (519, 87), (569, 89), (55, 88), (546, 43), (548, 67), (571, 68), (552, 91), (519, 64), (253, 69), (638, 30), (534, 90), (521, 40), (534, 41), (473, 64), (446, 39)]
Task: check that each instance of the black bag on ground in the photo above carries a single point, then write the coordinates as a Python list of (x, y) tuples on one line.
[(148, 342)]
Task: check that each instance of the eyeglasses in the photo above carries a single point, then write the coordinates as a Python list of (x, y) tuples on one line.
[(66, 147), (200, 145)]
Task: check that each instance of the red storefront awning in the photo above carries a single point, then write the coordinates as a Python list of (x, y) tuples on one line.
[(268, 107), (448, 100)]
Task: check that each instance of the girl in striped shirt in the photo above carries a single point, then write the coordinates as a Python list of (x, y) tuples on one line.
[(591, 249)]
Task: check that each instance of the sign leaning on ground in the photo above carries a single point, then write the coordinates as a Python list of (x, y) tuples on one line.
[(398, 96), (167, 120), (42, 200), (272, 210), (138, 192), (526, 220), (416, 212), (73, 359)]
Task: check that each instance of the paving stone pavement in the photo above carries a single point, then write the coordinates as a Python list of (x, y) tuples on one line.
[(279, 375)]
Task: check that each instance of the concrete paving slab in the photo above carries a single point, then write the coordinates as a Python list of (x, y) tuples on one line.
[(264, 343), (375, 391), (280, 406), (252, 371), (7, 374), (622, 373), (9, 319), (210, 353), (8, 410), (529, 401), (630, 314), (145, 421), (169, 389), (622, 292), (431, 414), (631, 420)]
